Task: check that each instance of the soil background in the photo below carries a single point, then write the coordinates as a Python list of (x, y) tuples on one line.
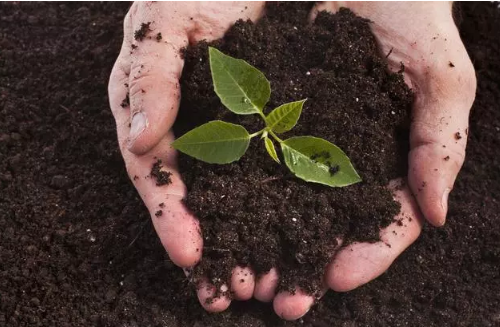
[(76, 244)]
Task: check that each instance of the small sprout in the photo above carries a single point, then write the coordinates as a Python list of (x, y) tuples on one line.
[(271, 149), (244, 90)]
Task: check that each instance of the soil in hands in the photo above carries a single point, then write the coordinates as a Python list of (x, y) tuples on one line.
[(255, 212), (77, 245)]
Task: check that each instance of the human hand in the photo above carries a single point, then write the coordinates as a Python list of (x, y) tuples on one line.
[(144, 96), (424, 38)]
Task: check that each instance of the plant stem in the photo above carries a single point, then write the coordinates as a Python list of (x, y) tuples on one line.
[(257, 133), (262, 115), (276, 137)]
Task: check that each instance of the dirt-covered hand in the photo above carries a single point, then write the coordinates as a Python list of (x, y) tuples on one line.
[(423, 37), (144, 96), (358, 263)]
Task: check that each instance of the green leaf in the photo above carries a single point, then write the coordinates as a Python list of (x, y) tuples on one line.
[(284, 118), (215, 142), (271, 149), (318, 161), (242, 88)]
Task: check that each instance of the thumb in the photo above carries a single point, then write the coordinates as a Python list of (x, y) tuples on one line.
[(156, 66), (439, 130)]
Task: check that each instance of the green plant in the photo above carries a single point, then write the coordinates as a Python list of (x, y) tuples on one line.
[(244, 90)]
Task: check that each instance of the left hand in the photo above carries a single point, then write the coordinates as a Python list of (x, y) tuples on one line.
[(423, 37)]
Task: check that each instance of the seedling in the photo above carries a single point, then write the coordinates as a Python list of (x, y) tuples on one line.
[(244, 90)]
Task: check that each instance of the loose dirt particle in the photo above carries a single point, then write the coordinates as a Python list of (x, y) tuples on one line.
[(451, 64), (446, 158), (162, 177), (141, 33), (158, 37), (125, 102), (158, 213), (458, 136)]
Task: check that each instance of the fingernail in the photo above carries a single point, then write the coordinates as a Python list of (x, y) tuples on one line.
[(444, 203), (137, 126)]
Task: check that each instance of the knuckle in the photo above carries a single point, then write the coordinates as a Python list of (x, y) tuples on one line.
[(142, 76), (134, 8), (147, 75), (123, 144), (129, 17), (459, 83), (469, 80), (458, 158), (117, 87)]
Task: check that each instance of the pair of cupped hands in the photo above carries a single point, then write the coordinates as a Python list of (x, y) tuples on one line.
[(422, 36)]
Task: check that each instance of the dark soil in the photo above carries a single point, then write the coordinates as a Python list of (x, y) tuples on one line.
[(76, 244), (255, 212), (161, 177)]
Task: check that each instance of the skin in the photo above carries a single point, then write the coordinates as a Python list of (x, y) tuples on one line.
[(421, 35)]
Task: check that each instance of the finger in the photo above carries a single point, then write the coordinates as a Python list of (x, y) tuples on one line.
[(118, 86), (439, 132), (265, 286), (211, 25), (210, 300), (154, 78), (242, 283), (360, 263), (178, 229), (330, 6), (292, 306)]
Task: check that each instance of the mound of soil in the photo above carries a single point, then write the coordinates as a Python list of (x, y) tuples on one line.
[(256, 213), (77, 247)]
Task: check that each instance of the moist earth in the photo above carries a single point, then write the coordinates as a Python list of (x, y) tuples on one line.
[(254, 212), (77, 246)]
